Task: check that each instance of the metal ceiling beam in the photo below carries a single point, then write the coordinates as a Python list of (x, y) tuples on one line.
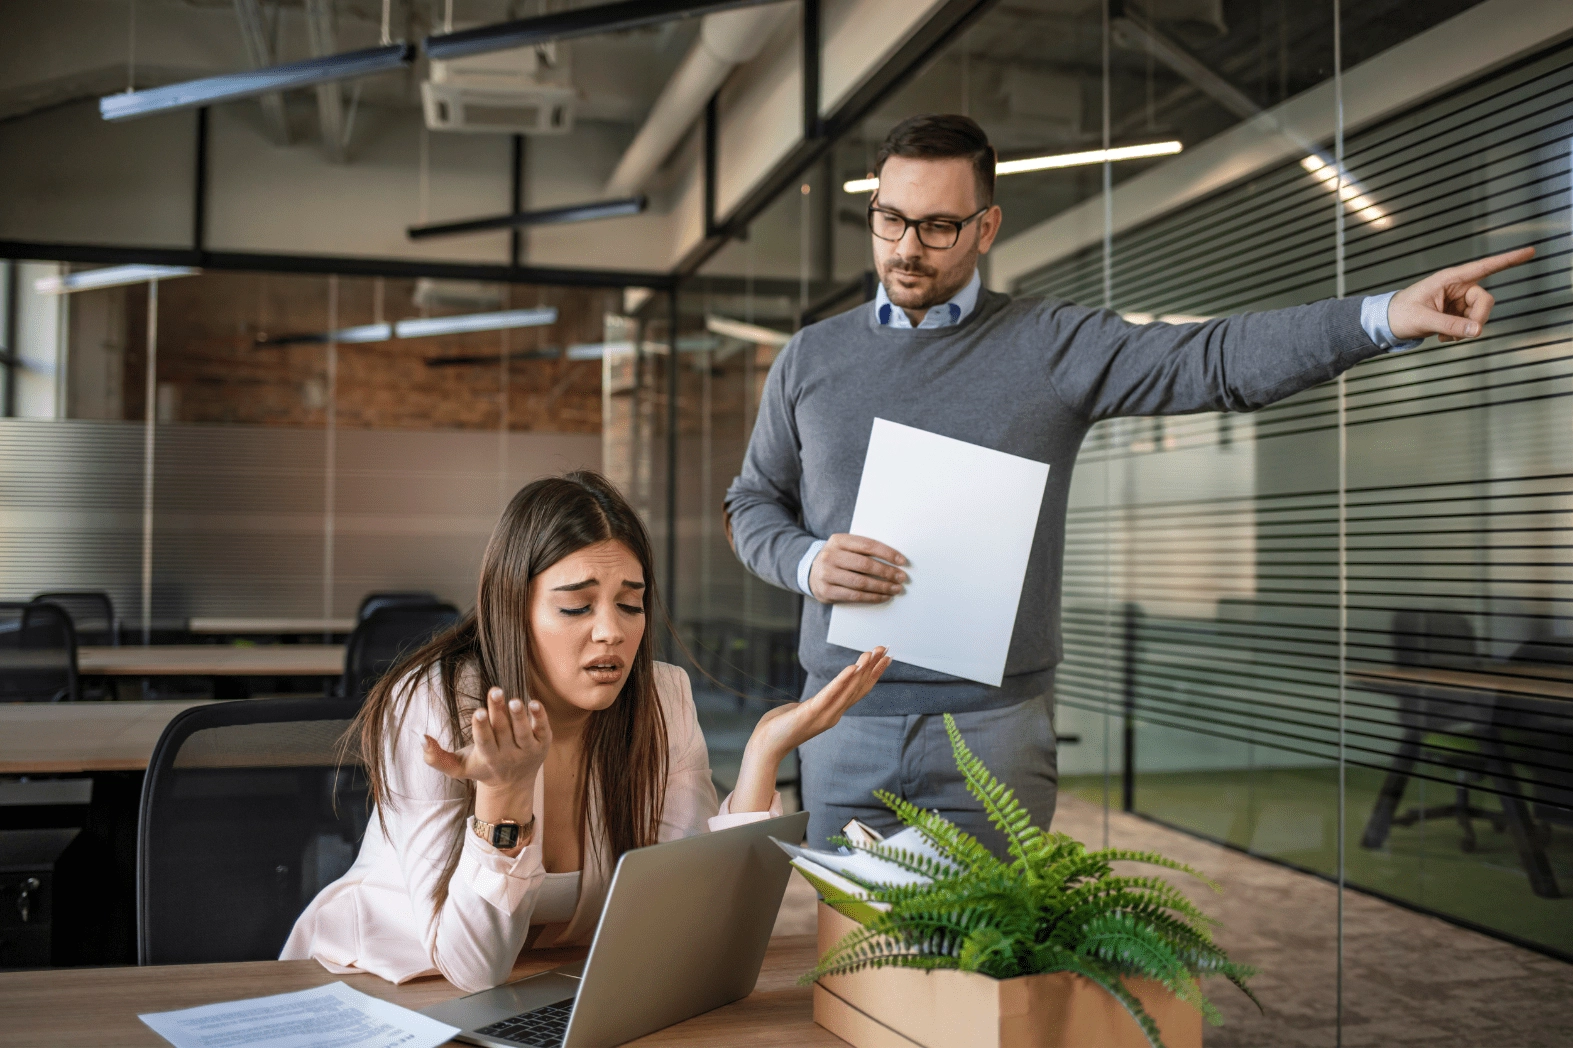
[(343, 265), (566, 25), (259, 50), (545, 216)]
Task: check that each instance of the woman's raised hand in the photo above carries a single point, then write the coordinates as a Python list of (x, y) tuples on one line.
[(509, 740), (787, 727)]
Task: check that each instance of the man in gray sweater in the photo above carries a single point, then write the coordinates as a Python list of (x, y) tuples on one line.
[(1024, 376)]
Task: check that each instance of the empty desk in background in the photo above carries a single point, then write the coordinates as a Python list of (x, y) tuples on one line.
[(92, 1007), (112, 742), (38, 738), (213, 660), (270, 627)]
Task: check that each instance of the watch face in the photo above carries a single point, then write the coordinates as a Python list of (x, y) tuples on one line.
[(505, 835)]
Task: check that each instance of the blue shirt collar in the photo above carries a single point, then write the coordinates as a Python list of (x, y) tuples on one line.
[(945, 314)]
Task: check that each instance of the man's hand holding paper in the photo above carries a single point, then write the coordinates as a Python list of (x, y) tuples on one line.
[(851, 569), (966, 516)]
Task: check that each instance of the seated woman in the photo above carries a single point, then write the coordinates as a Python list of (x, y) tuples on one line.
[(499, 820)]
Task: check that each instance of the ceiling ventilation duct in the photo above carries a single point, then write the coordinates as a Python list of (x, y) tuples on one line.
[(726, 40), (524, 90)]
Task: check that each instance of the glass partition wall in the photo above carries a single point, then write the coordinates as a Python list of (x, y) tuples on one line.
[(301, 455), (1326, 642)]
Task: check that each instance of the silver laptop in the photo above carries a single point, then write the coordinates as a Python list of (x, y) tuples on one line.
[(684, 930)]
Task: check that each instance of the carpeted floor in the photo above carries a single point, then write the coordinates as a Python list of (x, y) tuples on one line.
[(1409, 979)]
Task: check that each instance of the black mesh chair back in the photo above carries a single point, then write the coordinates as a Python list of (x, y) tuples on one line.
[(377, 601), (387, 635), (1436, 639), (246, 815), (92, 613), (37, 653)]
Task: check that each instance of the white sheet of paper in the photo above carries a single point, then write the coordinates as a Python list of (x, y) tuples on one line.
[(331, 1016), (964, 517)]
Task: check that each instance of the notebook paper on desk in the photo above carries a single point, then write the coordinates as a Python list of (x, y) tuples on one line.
[(331, 1016), (964, 516)]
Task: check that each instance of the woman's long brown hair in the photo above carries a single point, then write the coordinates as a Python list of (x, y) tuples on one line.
[(623, 774)]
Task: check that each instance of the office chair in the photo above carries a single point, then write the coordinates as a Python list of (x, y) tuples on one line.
[(376, 601), (37, 653), (92, 613), (384, 637), (246, 814), (1456, 720), (1538, 731)]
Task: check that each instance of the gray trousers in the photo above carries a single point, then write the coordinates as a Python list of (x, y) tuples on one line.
[(910, 757)]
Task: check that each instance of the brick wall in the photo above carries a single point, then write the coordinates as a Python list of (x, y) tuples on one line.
[(215, 370)]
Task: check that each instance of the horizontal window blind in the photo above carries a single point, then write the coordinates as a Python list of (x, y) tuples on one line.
[(1201, 565)]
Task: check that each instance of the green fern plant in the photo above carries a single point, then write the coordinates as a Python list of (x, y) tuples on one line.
[(1055, 907)]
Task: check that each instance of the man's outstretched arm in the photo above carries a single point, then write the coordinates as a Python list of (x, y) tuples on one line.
[(1104, 366)]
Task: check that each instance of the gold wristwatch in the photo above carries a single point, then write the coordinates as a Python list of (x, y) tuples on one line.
[(503, 834)]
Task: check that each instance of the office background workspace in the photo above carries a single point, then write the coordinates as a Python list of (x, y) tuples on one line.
[(1322, 647)]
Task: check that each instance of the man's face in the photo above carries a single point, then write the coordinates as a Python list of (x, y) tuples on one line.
[(916, 276)]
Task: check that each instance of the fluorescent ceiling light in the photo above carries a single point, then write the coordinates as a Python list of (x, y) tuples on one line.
[(1050, 163), (746, 332), (109, 276), (566, 25), (1325, 171), (253, 82), (421, 327), (548, 216), (364, 333), (597, 350)]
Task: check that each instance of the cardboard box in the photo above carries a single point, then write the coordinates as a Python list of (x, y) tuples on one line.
[(911, 1008)]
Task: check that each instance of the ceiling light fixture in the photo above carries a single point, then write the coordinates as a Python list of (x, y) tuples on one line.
[(229, 87), (344, 336), (1050, 163), (422, 327), (108, 276), (547, 216), (1325, 171), (746, 332)]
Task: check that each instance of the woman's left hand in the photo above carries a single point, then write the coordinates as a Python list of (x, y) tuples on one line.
[(787, 727)]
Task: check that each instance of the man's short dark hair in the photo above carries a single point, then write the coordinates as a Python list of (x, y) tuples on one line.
[(943, 136)]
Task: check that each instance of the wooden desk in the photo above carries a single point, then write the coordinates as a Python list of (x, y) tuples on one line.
[(213, 660), (99, 1006), (1527, 679), (270, 627), (62, 737)]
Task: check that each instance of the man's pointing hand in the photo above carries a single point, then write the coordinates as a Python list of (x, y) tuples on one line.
[(1450, 303)]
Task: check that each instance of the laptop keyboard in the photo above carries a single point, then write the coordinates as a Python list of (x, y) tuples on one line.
[(542, 1028)]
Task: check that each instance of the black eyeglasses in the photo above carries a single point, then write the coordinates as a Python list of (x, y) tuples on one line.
[(935, 233)]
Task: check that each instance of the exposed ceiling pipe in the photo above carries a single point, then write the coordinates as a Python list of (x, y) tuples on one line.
[(322, 37), (726, 40), (259, 49)]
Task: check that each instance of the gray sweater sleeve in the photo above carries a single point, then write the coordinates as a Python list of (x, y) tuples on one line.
[(765, 501), (1104, 366)]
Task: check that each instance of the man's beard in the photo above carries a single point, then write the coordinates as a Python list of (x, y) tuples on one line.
[(937, 293)]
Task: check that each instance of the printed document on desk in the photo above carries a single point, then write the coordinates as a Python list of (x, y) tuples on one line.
[(964, 516), (331, 1016)]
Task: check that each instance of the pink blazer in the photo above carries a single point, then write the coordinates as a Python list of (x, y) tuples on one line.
[(379, 917)]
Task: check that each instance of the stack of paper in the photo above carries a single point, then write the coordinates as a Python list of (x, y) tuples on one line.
[(844, 877)]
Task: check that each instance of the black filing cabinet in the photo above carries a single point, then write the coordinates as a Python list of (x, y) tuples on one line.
[(27, 876)]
